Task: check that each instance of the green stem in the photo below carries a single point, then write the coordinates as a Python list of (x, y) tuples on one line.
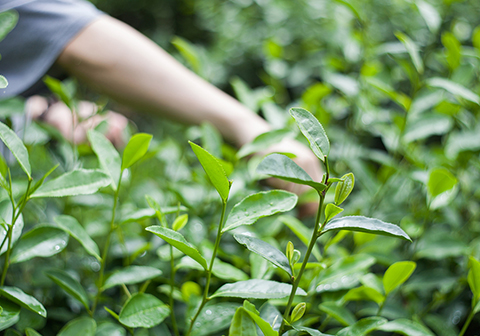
[(467, 323), (107, 245), (210, 268), (313, 240), (380, 308), (172, 286)]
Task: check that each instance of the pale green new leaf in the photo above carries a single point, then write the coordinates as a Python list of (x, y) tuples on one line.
[(301, 231), (76, 182), (339, 313), (131, 275), (265, 250), (454, 88), (256, 289), (313, 131), (107, 155), (84, 326), (16, 146), (331, 210), (364, 224), (344, 188), (70, 225), (474, 279), (41, 241), (284, 168), (136, 148), (177, 240), (412, 50), (242, 324), (406, 327), (397, 274), (17, 296), (440, 180), (214, 170), (180, 222), (259, 205), (143, 311), (264, 326), (69, 285)]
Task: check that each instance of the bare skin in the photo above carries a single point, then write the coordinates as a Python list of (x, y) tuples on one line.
[(116, 60)]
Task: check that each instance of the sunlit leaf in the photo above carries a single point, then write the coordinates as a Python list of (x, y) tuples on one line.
[(256, 289), (313, 131), (397, 274), (344, 188), (17, 296), (331, 210), (136, 148), (440, 180), (143, 311), (474, 279), (430, 15), (107, 155), (180, 222)]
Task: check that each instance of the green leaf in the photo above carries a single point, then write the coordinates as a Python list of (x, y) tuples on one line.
[(263, 141), (282, 167), (397, 274), (264, 326), (297, 312), (16, 295), (426, 125), (256, 289), (412, 50), (71, 226), (32, 332), (3, 82), (42, 241), (6, 212), (180, 222), (131, 275), (454, 88), (76, 182), (8, 20), (110, 329), (221, 270), (10, 314), (461, 141), (69, 285), (405, 327), (214, 170), (60, 90), (84, 326), (430, 15), (143, 310), (339, 313), (453, 50), (107, 155), (364, 224), (364, 293), (439, 181), (363, 327), (310, 331), (177, 240), (259, 205), (344, 188), (16, 146), (214, 318), (242, 324), (265, 250), (188, 52), (301, 231), (331, 210), (136, 148), (313, 131), (474, 279)]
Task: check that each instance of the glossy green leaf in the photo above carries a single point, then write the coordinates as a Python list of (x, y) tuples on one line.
[(180, 222), (282, 167), (397, 274), (10, 313), (214, 170), (16, 295), (242, 324), (177, 240), (8, 20), (16, 146), (310, 331), (406, 327), (143, 310), (474, 279), (428, 124), (110, 329), (130, 275), (364, 293), (76, 182), (440, 180), (264, 326), (84, 326), (313, 131), (412, 50), (69, 285), (301, 231), (263, 141), (363, 327), (42, 241), (107, 155), (214, 318), (430, 15), (256, 289), (32, 332), (344, 188), (331, 210), (265, 250), (454, 88), (339, 313), (70, 225), (136, 148), (364, 224), (259, 205), (221, 270)]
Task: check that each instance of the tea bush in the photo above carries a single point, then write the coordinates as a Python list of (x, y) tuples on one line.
[(159, 241)]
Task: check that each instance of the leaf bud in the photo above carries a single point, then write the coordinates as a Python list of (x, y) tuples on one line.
[(298, 312)]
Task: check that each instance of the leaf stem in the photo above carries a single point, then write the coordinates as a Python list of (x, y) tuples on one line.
[(172, 286), (467, 323), (210, 268)]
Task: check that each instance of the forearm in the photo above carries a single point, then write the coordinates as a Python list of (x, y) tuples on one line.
[(120, 62)]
